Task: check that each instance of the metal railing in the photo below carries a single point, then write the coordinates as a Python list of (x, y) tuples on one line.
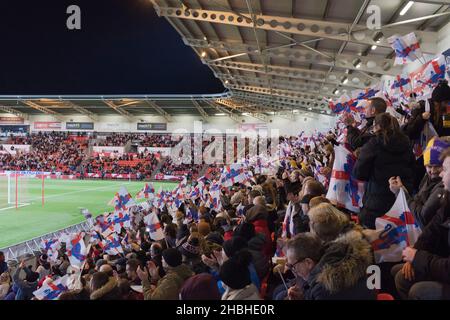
[(30, 247)]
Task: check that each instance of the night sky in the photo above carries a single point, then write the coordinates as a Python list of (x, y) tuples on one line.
[(123, 47)]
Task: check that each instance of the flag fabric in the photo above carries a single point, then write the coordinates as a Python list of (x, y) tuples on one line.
[(121, 219), (76, 249), (51, 290), (192, 214), (240, 210), (154, 226), (111, 244), (145, 192), (51, 247), (427, 76), (344, 190), (407, 48), (395, 231), (234, 173), (122, 200), (428, 132)]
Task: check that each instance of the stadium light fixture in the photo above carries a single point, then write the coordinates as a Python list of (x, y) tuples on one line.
[(373, 47), (203, 54), (219, 114), (406, 8)]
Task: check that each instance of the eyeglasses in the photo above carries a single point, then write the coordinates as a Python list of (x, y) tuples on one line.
[(291, 266)]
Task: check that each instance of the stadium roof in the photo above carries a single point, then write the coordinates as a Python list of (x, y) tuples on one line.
[(274, 56)]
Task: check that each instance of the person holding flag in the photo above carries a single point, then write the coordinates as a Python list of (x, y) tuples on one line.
[(146, 191), (426, 272)]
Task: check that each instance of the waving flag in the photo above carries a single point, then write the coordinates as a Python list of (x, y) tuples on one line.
[(428, 132), (344, 190), (395, 231), (121, 219), (76, 249), (240, 210), (154, 226), (52, 290), (146, 191), (111, 245), (192, 214), (122, 200), (426, 77), (51, 247), (407, 48), (234, 173)]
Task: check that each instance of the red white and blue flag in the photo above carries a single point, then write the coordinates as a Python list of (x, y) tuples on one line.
[(122, 200), (146, 191), (121, 219), (154, 226), (76, 249), (426, 77), (51, 290), (112, 245), (344, 190), (51, 247), (407, 48), (395, 231)]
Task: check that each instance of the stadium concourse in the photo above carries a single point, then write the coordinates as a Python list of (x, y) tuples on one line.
[(321, 173)]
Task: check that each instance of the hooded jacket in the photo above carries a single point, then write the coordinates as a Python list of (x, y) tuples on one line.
[(427, 201), (109, 291), (378, 161), (250, 292), (260, 260), (258, 216), (432, 259), (169, 286), (341, 272)]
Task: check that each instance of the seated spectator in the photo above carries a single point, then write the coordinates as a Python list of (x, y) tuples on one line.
[(104, 287), (5, 284), (426, 202), (334, 271), (236, 278), (425, 274), (25, 287), (202, 286), (168, 287)]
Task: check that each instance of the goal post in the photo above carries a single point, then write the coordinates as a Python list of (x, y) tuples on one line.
[(21, 188)]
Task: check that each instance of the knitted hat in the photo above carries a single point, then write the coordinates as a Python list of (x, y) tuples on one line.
[(172, 257), (234, 272), (191, 249), (202, 286), (234, 245), (433, 152)]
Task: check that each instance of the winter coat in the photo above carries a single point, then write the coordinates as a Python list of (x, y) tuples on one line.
[(259, 258), (378, 161), (432, 259), (413, 128), (258, 216), (427, 201), (357, 138), (109, 291), (341, 272), (169, 286), (25, 289), (250, 292)]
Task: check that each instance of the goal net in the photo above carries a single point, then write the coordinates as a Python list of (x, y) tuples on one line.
[(19, 189)]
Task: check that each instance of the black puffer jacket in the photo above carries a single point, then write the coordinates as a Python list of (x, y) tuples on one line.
[(377, 162), (432, 259), (427, 201)]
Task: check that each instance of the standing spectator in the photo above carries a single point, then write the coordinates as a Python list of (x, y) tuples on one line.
[(25, 287), (387, 154)]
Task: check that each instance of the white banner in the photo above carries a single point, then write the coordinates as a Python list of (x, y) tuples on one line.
[(164, 151), (106, 149), (12, 148)]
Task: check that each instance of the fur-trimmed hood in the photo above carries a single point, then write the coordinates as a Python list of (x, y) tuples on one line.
[(106, 289), (344, 262)]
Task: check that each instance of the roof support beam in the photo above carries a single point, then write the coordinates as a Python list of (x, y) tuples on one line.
[(159, 110), (43, 109), (368, 64), (82, 110), (113, 106), (298, 73), (221, 109), (305, 27), (14, 112), (202, 111), (242, 108)]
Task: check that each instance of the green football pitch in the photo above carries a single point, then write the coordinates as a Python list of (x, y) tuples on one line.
[(63, 201)]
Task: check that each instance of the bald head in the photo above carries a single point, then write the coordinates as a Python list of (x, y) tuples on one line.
[(106, 268)]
